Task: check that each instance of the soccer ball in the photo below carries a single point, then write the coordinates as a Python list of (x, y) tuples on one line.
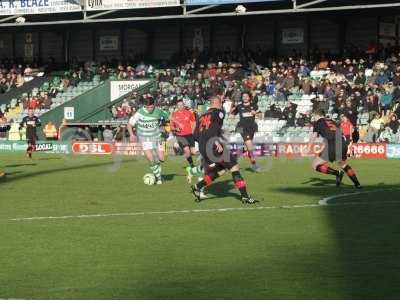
[(149, 179)]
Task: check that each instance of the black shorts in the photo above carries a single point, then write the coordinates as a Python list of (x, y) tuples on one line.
[(185, 141), (347, 141), (218, 161), (247, 132), (31, 140), (334, 152)]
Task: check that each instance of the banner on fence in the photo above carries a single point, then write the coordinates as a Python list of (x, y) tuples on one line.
[(393, 151), (364, 150), (128, 4), (109, 42), (298, 150), (33, 7), (259, 150), (41, 146), (219, 2), (292, 35), (120, 88), (92, 148)]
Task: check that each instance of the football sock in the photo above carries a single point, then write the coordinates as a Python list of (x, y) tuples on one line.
[(240, 184), (207, 180), (156, 170), (197, 171), (352, 175), (198, 180), (325, 169), (190, 161), (29, 151)]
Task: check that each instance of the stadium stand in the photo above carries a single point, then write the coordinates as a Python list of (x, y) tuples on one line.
[(364, 88)]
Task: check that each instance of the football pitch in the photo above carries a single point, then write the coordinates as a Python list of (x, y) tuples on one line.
[(75, 227)]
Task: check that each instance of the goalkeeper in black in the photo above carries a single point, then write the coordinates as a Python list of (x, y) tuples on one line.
[(247, 126), (30, 122)]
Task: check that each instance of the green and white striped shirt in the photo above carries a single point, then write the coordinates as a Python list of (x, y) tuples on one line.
[(147, 124)]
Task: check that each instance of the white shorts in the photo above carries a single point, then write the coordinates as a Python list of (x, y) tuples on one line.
[(153, 145)]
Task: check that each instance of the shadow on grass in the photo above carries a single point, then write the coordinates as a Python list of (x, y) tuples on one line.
[(13, 173), (170, 177), (20, 165), (222, 189), (48, 158), (318, 187), (316, 181), (367, 237), (6, 179)]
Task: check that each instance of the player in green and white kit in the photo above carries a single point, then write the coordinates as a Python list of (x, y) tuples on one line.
[(146, 122)]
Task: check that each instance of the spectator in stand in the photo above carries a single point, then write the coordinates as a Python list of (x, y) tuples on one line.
[(303, 120), (19, 81), (11, 80), (32, 103), (382, 78), (108, 134), (74, 80), (273, 112), (3, 84), (385, 100), (45, 100), (396, 77), (374, 129), (64, 84), (4, 127), (121, 112), (385, 136), (104, 73), (372, 105), (394, 124), (289, 114), (360, 78), (28, 71)]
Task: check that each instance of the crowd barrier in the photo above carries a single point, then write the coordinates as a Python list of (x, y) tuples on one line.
[(284, 150)]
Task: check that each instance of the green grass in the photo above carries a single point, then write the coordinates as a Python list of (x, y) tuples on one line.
[(337, 252)]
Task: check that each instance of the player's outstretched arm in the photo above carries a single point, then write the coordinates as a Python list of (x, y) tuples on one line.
[(130, 126)]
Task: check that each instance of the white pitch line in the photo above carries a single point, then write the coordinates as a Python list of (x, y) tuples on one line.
[(325, 202), (168, 212)]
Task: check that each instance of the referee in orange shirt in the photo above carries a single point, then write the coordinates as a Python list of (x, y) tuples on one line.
[(183, 122), (347, 130)]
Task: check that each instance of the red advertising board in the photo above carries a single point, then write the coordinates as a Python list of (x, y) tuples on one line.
[(288, 150), (92, 148), (298, 150), (127, 149), (364, 150)]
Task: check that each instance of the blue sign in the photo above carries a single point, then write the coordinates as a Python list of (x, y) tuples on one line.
[(393, 151), (218, 2)]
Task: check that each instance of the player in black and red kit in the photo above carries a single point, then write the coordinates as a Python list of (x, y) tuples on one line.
[(247, 126), (215, 153), (30, 122), (333, 150)]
